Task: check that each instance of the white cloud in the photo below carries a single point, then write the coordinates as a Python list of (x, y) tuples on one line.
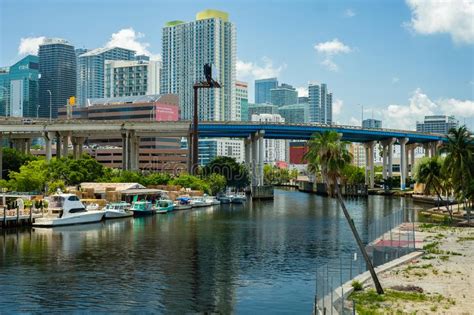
[(302, 91), (420, 105), (252, 71), (337, 107), (330, 65), (454, 17), (332, 47), (349, 13), (457, 107), (30, 45), (130, 39), (395, 80)]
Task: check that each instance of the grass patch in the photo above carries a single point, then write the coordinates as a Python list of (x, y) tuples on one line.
[(369, 302), (465, 239), (428, 257), (356, 285)]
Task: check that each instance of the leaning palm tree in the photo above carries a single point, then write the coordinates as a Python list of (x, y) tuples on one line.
[(459, 163), (330, 154), (429, 171)]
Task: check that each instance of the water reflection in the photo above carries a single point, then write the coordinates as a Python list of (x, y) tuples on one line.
[(259, 257)]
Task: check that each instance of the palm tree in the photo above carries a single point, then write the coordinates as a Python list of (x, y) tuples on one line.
[(459, 163), (330, 154), (430, 172)]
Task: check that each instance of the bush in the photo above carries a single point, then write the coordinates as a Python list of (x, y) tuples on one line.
[(356, 285)]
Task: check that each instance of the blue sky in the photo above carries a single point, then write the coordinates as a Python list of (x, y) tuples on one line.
[(399, 59)]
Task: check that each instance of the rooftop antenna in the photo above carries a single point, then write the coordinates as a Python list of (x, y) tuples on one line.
[(362, 115)]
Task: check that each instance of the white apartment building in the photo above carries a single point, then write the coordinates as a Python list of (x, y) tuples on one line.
[(186, 47), (131, 78)]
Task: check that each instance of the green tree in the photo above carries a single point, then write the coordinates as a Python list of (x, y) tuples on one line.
[(31, 176), (353, 174), (74, 172), (14, 159), (236, 174), (190, 181), (330, 154), (216, 183), (459, 163), (157, 179), (429, 172)]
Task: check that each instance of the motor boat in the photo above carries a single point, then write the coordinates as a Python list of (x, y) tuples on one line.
[(239, 198), (224, 199), (164, 206), (212, 200), (67, 209), (116, 210), (142, 208), (182, 203), (197, 202)]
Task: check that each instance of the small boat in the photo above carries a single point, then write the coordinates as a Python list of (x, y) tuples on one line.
[(67, 209), (142, 208), (197, 202), (117, 210), (224, 199), (212, 200), (164, 206), (239, 199), (182, 203)]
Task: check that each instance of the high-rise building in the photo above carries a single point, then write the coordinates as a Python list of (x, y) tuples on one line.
[(19, 88), (90, 71), (296, 113), (57, 67), (437, 123), (275, 150), (284, 94), (242, 100), (186, 48), (257, 109), (303, 99), (131, 78), (371, 123), (209, 149), (262, 90), (320, 104)]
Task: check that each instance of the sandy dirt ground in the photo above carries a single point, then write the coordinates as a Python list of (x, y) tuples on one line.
[(445, 272)]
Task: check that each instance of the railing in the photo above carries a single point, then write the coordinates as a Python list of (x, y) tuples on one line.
[(384, 245)]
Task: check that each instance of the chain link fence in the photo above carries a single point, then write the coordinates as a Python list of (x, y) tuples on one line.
[(384, 244)]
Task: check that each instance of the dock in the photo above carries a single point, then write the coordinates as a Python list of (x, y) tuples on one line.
[(17, 218)]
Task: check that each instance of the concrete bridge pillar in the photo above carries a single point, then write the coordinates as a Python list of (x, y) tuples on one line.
[(133, 151), (77, 144), (369, 163), (387, 157), (403, 162), (254, 160), (65, 144), (248, 152), (261, 157), (412, 148), (426, 149), (48, 139), (58, 146), (27, 146)]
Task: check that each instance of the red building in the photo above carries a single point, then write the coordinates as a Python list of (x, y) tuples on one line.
[(297, 151)]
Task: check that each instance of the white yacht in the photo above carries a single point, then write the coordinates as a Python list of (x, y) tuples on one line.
[(200, 202), (67, 209), (212, 200), (117, 210)]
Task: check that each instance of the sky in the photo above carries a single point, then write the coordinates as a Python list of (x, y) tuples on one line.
[(392, 60)]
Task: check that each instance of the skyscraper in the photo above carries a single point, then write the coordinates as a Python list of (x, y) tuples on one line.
[(57, 67), (90, 71), (274, 150), (283, 95), (320, 104), (262, 90), (19, 85), (187, 46), (131, 78), (371, 123), (242, 100)]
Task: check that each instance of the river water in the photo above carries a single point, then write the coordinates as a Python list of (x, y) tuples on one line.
[(259, 257)]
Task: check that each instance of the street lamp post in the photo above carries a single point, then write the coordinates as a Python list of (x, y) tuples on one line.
[(210, 83), (50, 105)]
